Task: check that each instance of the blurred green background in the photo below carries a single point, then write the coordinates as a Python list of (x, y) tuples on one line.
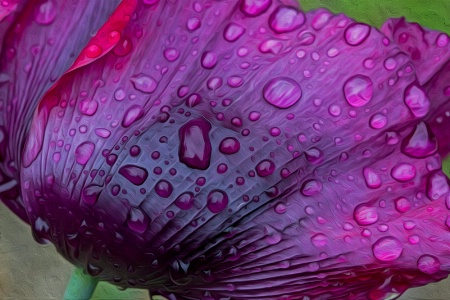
[(32, 271)]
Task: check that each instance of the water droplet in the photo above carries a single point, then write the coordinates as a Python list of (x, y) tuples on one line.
[(428, 264), (356, 33), (378, 121), (185, 201), (222, 168), (93, 51), (417, 101), (214, 83), (135, 150), (402, 204), (144, 83), (229, 145), (235, 81), (275, 131), (132, 114), (372, 179), (442, 40), (311, 187), (93, 270), (387, 249), (233, 31), (420, 143), (365, 215), (280, 208), (286, 19), (88, 107), (414, 239), (282, 92), (265, 168), (193, 100), (193, 24), (254, 116), (123, 48), (209, 60), (334, 110), (45, 12), (135, 174), (217, 201), (358, 90), (171, 54), (314, 155), (102, 132), (409, 225), (164, 188), (437, 185), (195, 145), (319, 240), (84, 152), (137, 220), (403, 172), (253, 8), (119, 94), (390, 63), (91, 193)]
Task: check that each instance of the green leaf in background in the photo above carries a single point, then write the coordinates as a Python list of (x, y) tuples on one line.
[(433, 14)]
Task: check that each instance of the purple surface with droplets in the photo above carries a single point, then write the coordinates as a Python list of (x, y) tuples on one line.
[(292, 155)]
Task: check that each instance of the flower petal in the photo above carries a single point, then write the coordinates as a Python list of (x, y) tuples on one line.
[(249, 151)]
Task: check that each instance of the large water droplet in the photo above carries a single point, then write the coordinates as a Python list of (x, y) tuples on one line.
[(265, 168), (45, 12), (135, 174), (195, 145), (420, 143), (387, 249), (319, 240), (372, 179), (137, 220), (402, 204), (253, 8), (217, 201), (144, 83), (286, 19), (193, 24), (132, 114), (209, 60), (282, 92), (164, 188), (403, 172), (88, 107), (356, 33), (417, 101), (84, 152), (428, 264), (358, 90), (378, 121), (365, 215), (171, 54), (233, 31), (437, 185)]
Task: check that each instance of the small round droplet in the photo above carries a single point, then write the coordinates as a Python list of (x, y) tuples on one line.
[(372, 179), (164, 188), (378, 121), (358, 90), (442, 40), (84, 152), (171, 54), (402, 204), (282, 92), (253, 8), (403, 172), (334, 110), (417, 101), (356, 33), (217, 201), (319, 240), (428, 264), (365, 215), (280, 208), (193, 24), (265, 168), (185, 201), (233, 31), (387, 249), (229, 145), (209, 60), (254, 116), (144, 83), (311, 187), (286, 19)]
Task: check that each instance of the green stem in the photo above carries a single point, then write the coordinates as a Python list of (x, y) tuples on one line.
[(80, 286)]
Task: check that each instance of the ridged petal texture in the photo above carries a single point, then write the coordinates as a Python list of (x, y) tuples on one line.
[(246, 150)]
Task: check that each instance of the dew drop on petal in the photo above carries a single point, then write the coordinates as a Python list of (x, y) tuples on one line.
[(164, 188), (171, 54), (286, 19), (437, 185), (193, 24), (209, 60), (387, 249), (253, 8), (365, 214), (356, 33), (265, 168), (319, 240), (144, 83), (233, 31), (378, 121), (311, 187), (402, 204), (282, 92), (420, 142), (428, 264), (132, 114), (358, 90), (195, 145), (137, 220), (134, 174), (229, 145), (217, 201), (84, 152), (185, 201), (403, 172), (417, 101)]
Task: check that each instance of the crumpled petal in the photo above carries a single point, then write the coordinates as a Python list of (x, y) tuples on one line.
[(41, 41), (243, 150)]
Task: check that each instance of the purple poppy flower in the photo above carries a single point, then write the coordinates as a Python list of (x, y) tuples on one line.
[(229, 149)]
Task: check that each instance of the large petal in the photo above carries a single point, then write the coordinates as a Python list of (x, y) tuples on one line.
[(241, 149), (41, 41)]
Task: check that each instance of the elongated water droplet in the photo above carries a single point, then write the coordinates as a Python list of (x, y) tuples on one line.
[(195, 145), (417, 101), (403, 172), (372, 179), (132, 114), (135, 174), (84, 152), (137, 221), (282, 92), (144, 83), (420, 143)]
